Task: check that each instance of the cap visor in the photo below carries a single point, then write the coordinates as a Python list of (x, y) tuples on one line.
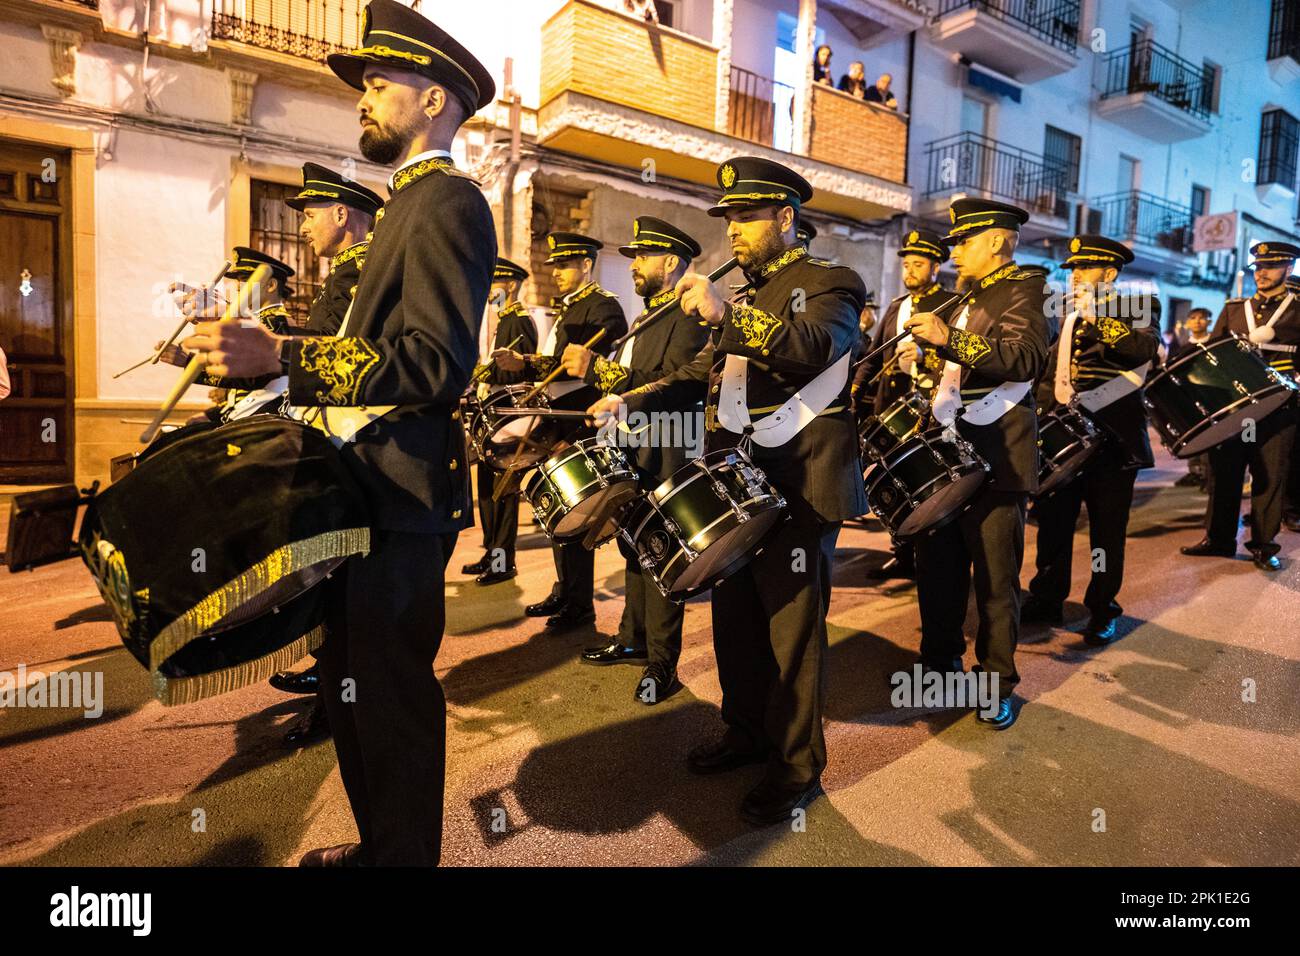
[(348, 68)]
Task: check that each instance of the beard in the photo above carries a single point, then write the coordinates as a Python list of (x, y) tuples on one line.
[(763, 249), (384, 145), (648, 286), (912, 283)]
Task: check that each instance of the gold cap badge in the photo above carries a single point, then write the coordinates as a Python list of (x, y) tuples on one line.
[(913, 236), (550, 242), (952, 214), (636, 228), (1074, 244), (728, 176), (1263, 249)]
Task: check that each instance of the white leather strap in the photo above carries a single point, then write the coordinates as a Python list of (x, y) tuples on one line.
[(986, 410), (788, 420)]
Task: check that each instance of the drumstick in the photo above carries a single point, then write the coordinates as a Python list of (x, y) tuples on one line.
[(251, 290), (488, 364), (541, 412), (894, 340), (157, 355), (667, 307)]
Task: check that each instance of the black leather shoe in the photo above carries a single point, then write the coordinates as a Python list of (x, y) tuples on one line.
[(345, 854), (1266, 562), (720, 756), (552, 605), (657, 683), (569, 618), (1004, 718), (313, 726), (615, 653), (477, 567), (1037, 611), (771, 803), (303, 682), (1100, 631), (496, 577), (893, 568), (1205, 549)]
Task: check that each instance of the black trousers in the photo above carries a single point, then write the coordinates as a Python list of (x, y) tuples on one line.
[(1107, 489), (1269, 460), (500, 519), (385, 621), (575, 574), (649, 619), (984, 546), (769, 636)]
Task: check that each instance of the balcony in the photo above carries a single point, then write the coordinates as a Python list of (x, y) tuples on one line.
[(1284, 42), (1029, 40), (1154, 92), (1158, 231), (968, 164), (311, 29), (621, 91)]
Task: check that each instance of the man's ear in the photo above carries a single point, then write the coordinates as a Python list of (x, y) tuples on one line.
[(340, 215), (1110, 275), (435, 101)]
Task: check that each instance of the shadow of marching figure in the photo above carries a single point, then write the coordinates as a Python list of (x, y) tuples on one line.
[(86, 615), (1030, 806)]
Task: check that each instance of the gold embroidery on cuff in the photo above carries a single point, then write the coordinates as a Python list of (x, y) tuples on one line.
[(1112, 330), (755, 325), (341, 364), (609, 375), (967, 346)]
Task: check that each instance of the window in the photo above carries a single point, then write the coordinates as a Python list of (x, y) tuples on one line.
[(1284, 30), (1211, 81), (1061, 150), (273, 229), (1279, 137), (1200, 201), (1127, 174), (667, 10)]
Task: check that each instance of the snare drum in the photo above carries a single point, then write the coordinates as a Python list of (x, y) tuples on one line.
[(586, 482), (882, 433), (704, 523), (924, 483), (505, 440), (1067, 440), (1202, 399)]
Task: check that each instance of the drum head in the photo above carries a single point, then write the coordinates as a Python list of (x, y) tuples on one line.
[(578, 520), (1216, 431), (725, 556), (1063, 471), (943, 505)]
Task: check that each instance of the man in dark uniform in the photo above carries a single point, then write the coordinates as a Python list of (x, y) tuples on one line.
[(500, 515), (806, 233), (1105, 352), (406, 354), (337, 217), (584, 308), (1291, 503), (895, 372), (1271, 320), (995, 349), (792, 330), (1197, 327), (651, 628)]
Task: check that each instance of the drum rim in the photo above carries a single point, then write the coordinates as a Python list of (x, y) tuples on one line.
[(1215, 418), (690, 542), (681, 552), (946, 519)]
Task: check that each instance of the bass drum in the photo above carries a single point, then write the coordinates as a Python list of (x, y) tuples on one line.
[(1203, 398), (574, 488), (924, 483), (704, 523), (210, 552), (1067, 440)]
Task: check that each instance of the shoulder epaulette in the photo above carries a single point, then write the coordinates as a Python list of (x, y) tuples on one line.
[(1236, 299), (1028, 274), (824, 263)]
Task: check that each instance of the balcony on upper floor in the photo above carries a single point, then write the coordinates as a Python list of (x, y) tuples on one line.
[(968, 164), (311, 29), (625, 92), (873, 22), (1284, 41), (1159, 232), (1156, 93), (1029, 40)]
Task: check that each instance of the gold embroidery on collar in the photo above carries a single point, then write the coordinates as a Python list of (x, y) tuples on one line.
[(341, 365), (1002, 273), (967, 346), (755, 325), (655, 301), (780, 262), (355, 251), (410, 174)]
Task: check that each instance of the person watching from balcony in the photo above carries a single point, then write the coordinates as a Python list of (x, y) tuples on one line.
[(854, 82), (881, 93), (642, 10), (822, 66)]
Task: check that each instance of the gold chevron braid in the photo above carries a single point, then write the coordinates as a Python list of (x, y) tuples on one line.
[(388, 52)]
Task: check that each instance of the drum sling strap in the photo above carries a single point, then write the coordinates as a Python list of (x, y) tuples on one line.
[(1093, 399), (986, 410), (1277, 314), (788, 420)]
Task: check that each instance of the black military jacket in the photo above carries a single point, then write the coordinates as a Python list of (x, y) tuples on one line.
[(797, 317), (331, 303), (412, 342), (1122, 338), (513, 321), (1286, 334), (578, 317), (1005, 340), (664, 347), (895, 383)]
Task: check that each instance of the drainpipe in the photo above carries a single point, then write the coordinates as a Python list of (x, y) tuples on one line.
[(907, 130), (512, 167)]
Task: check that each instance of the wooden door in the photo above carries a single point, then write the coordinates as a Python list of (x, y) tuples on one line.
[(36, 439)]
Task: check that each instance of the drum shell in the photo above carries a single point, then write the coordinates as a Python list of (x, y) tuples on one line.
[(1066, 442), (570, 478), (882, 433), (218, 526), (913, 474)]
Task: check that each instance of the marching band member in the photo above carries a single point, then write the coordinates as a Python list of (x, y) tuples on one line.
[(896, 371), (650, 631), (993, 352), (1270, 319), (500, 516), (1106, 349), (786, 344), (584, 307), (409, 345)]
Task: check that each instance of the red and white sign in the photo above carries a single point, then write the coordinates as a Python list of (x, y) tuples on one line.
[(1215, 231)]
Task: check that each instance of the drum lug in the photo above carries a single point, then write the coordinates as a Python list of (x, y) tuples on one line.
[(675, 530)]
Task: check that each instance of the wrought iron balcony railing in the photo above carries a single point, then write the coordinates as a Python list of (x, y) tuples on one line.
[(970, 163), (1141, 217), (308, 28), (761, 110), (1056, 21), (1147, 67)]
